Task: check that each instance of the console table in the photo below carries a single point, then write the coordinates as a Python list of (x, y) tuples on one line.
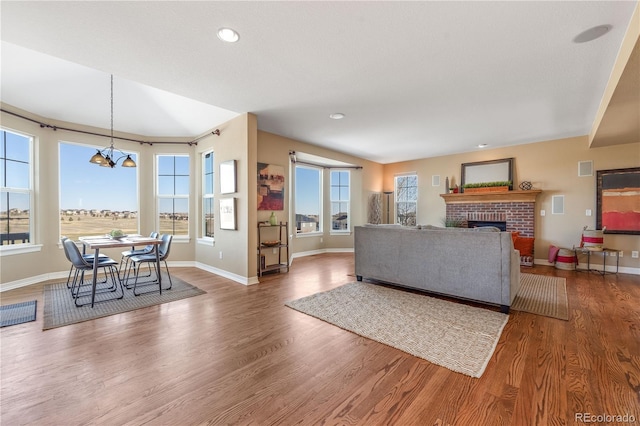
[(605, 253)]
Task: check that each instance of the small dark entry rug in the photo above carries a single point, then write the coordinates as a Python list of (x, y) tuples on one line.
[(17, 313), (60, 310)]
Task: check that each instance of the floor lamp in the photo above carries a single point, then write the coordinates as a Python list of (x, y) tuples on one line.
[(388, 193)]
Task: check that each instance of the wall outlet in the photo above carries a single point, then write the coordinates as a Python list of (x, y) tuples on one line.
[(321, 239), (588, 212), (542, 213), (221, 254), (620, 254), (634, 254), (274, 251)]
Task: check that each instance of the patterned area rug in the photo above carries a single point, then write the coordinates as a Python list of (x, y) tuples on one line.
[(60, 310), (459, 337), (542, 295), (17, 313)]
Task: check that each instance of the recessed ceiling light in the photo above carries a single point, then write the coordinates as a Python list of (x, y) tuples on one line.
[(483, 145), (592, 33), (336, 116), (229, 35)]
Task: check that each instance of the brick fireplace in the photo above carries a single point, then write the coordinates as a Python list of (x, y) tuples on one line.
[(514, 209)]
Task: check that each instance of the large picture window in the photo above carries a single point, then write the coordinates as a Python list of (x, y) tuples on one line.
[(16, 189), (173, 194), (406, 199), (208, 181), (95, 200), (308, 200), (340, 190)]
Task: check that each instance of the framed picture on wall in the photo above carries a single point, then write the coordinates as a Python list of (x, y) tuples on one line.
[(228, 213), (618, 201), (270, 187), (228, 177)]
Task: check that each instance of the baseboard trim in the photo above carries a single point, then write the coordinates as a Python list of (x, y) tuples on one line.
[(226, 274), (321, 251), (582, 267)]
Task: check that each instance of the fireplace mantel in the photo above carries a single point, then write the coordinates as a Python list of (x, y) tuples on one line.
[(493, 197)]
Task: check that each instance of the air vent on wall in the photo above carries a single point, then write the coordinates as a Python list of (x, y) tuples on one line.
[(585, 168), (557, 204)]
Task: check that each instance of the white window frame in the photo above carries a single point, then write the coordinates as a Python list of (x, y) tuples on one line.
[(396, 192), (347, 201), (160, 197), (320, 231), (28, 247), (207, 196)]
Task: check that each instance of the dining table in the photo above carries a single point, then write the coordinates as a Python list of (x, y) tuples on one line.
[(98, 242)]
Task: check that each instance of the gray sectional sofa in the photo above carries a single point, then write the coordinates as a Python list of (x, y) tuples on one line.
[(476, 264)]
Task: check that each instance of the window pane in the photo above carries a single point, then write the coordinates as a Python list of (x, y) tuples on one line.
[(208, 163), (182, 165), (165, 165), (174, 217), (208, 214), (95, 200), (308, 202), (17, 174), (182, 185), (344, 193), (17, 147), (335, 193), (165, 185), (14, 218), (339, 216)]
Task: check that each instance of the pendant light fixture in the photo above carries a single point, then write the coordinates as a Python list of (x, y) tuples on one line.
[(106, 156)]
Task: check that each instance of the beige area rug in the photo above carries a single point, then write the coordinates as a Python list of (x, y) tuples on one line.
[(453, 335), (542, 295), (60, 310)]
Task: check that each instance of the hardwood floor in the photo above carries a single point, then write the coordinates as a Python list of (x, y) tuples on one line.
[(237, 355)]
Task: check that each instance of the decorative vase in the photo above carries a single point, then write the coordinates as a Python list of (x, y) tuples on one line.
[(273, 220)]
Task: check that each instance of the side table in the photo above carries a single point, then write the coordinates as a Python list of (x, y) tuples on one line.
[(605, 252)]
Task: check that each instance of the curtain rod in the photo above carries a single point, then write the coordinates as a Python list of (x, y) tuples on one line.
[(141, 142)]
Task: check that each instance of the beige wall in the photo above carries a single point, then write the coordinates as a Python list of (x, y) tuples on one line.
[(237, 141), (551, 166)]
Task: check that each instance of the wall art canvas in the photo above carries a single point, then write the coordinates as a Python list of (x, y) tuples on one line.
[(270, 187), (618, 201), (228, 213)]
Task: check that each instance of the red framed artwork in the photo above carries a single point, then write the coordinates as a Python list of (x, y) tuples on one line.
[(618, 204)]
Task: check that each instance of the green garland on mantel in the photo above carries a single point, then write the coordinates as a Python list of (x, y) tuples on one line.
[(487, 184)]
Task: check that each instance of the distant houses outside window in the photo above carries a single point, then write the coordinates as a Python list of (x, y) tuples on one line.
[(173, 194), (308, 199), (208, 181), (16, 191), (95, 200), (406, 199), (339, 193)]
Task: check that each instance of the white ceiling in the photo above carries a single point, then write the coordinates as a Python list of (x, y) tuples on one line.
[(415, 79)]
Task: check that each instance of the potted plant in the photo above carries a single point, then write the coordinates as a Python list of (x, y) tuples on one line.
[(480, 187), (452, 222)]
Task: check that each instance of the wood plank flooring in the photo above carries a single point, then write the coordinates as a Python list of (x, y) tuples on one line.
[(237, 355)]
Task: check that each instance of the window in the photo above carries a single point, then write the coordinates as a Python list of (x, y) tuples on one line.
[(16, 189), (95, 200), (406, 199), (308, 199), (173, 194), (340, 190), (208, 181)]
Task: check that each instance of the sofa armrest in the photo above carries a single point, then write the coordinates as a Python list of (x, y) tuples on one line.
[(515, 274)]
